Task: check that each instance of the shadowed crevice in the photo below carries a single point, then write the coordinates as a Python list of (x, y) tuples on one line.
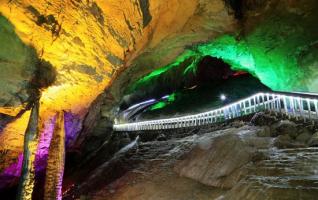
[(144, 6)]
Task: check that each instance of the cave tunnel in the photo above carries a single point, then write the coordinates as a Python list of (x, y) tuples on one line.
[(181, 91), (158, 100)]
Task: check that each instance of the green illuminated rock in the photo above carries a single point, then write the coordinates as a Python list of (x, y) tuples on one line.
[(280, 50)]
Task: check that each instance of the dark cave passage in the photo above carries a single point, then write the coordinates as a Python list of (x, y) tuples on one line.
[(176, 92)]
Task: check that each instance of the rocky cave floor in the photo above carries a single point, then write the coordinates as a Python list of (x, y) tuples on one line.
[(265, 156)]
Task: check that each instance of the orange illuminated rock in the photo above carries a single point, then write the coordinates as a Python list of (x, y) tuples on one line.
[(88, 41), (89, 44)]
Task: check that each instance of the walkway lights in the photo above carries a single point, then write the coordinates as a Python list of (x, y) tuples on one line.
[(291, 105)]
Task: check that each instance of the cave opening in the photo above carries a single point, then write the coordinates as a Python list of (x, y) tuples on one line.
[(189, 88)]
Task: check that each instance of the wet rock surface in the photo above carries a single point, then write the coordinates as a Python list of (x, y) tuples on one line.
[(313, 142), (224, 161), (284, 174), (218, 158)]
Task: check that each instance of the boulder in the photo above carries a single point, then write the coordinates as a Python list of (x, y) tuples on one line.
[(285, 141), (262, 119), (220, 161), (237, 123), (313, 142), (304, 137), (285, 127), (264, 131), (162, 137)]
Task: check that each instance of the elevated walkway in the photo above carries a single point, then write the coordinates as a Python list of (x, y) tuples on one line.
[(299, 105)]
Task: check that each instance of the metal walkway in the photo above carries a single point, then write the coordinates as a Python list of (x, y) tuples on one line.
[(302, 105)]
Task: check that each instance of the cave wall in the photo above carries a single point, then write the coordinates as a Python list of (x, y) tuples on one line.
[(93, 45), (88, 41), (89, 44), (18, 64), (274, 41)]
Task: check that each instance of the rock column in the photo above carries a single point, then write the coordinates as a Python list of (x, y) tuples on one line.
[(26, 184), (56, 160)]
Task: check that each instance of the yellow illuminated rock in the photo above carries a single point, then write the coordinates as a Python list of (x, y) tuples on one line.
[(90, 42), (11, 141)]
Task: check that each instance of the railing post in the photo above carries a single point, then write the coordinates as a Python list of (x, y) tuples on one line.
[(316, 107), (285, 104), (273, 103), (268, 102), (231, 112), (254, 103), (258, 102), (291, 99), (228, 112), (309, 108), (297, 105), (279, 104), (244, 107), (234, 110), (301, 108), (250, 105), (217, 118), (238, 108)]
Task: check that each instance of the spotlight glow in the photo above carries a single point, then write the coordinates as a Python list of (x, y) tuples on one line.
[(222, 97)]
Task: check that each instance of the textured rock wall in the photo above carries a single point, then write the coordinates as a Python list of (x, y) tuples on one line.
[(275, 41), (175, 26), (17, 62), (87, 43), (95, 44), (56, 160)]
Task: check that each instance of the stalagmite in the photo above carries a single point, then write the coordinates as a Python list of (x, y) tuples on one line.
[(30, 145), (55, 166)]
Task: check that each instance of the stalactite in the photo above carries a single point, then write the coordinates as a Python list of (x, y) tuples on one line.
[(55, 166), (30, 145)]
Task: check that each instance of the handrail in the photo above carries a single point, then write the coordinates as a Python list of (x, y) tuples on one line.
[(298, 105)]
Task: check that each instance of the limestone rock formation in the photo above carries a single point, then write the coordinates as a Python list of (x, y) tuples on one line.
[(219, 161), (80, 56), (88, 43), (56, 160), (222, 162), (18, 64), (313, 142)]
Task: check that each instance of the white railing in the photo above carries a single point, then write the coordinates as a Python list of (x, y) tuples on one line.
[(292, 105)]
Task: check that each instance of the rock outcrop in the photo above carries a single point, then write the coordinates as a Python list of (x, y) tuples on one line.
[(223, 162), (220, 161), (89, 43)]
